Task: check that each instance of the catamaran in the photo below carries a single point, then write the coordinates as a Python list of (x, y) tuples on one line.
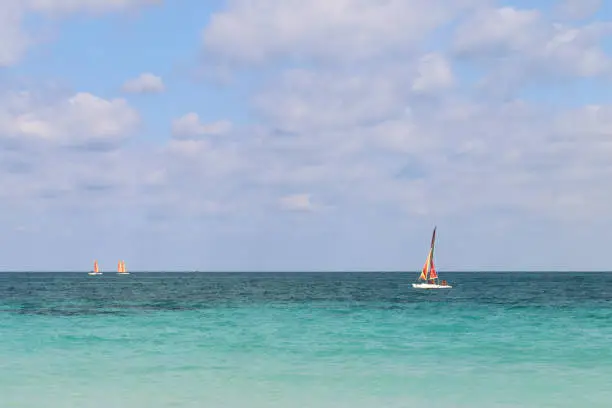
[(121, 268), (96, 270), (429, 274)]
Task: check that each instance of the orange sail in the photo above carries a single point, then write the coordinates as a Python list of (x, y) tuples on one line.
[(96, 269), (121, 267)]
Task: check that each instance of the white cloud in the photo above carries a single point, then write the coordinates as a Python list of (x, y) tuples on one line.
[(61, 150), (145, 83), (14, 39), (82, 120), (248, 32), (523, 43), (435, 73), (63, 179), (449, 156), (352, 134), (504, 30), (310, 100), (189, 125)]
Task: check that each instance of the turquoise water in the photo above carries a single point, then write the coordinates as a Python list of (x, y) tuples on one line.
[(304, 340)]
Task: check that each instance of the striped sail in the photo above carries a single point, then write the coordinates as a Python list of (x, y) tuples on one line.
[(425, 270), (429, 270)]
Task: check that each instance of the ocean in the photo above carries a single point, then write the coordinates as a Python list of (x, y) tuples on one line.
[(297, 340)]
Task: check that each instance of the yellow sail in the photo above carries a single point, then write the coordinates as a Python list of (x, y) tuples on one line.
[(425, 270)]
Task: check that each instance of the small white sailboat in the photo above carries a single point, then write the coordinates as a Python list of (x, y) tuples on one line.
[(429, 275), (121, 268), (96, 270)]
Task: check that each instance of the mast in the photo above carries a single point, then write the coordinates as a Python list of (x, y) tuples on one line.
[(433, 242), (432, 269)]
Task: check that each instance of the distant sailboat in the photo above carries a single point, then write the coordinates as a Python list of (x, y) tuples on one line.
[(96, 270), (121, 268), (429, 274)]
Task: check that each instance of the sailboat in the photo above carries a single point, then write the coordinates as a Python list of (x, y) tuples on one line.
[(121, 268), (429, 275), (96, 270)]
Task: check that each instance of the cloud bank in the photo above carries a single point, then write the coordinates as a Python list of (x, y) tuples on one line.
[(390, 116)]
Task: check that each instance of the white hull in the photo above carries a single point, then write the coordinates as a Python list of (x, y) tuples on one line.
[(95, 273), (430, 286), (123, 273)]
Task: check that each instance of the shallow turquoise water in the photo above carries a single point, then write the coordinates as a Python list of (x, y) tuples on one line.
[(305, 340)]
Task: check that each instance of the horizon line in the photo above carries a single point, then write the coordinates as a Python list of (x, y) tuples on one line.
[(318, 271)]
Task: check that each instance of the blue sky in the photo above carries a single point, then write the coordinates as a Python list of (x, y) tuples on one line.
[(291, 135)]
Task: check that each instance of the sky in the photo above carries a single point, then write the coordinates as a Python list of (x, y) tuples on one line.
[(290, 135)]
